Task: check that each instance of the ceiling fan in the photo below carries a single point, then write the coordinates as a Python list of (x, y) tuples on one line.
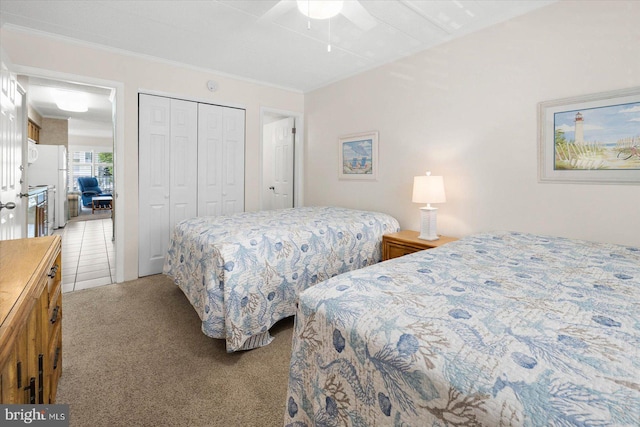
[(326, 9)]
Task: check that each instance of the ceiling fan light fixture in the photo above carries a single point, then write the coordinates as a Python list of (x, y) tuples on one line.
[(320, 9)]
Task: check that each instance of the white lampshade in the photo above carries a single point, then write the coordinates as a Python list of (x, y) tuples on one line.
[(320, 9), (428, 189)]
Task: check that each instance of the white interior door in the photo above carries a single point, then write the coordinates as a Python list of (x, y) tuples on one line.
[(233, 161), (278, 164), (209, 159), (183, 159), (12, 116), (154, 182)]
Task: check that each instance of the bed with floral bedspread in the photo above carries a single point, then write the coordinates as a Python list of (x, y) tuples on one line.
[(497, 329), (242, 273)]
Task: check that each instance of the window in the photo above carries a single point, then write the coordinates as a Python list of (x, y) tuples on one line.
[(92, 163), (103, 170), (81, 165)]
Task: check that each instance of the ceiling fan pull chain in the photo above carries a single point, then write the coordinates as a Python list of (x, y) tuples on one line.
[(329, 45)]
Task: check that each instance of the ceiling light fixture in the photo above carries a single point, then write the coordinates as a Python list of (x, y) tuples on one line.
[(320, 9), (67, 100)]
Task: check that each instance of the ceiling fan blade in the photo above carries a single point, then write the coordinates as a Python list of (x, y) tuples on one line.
[(356, 13), (279, 9)]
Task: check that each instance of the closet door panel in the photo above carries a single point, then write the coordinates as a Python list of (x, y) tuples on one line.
[(153, 182), (191, 163), (210, 131), (183, 161), (233, 161)]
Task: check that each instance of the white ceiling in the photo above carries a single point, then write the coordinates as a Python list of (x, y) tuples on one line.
[(95, 123), (266, 40)]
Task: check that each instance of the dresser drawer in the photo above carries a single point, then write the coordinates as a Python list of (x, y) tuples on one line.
[(395, 251), (406, 242), (55, 362)]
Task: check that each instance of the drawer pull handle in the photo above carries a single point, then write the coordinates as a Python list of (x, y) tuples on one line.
[(55, 359), (19, 369), (53, 271), (54, 316), (31, 388), (40, 378)]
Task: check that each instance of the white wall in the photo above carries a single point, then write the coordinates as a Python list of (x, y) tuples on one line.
[(104, 144), (467, 110), (138, 73)]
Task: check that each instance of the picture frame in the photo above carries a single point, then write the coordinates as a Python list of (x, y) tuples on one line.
[(590, 139), (358, 156)]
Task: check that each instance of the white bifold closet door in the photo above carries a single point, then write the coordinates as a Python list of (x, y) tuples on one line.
[(191, 163), (220, 142)]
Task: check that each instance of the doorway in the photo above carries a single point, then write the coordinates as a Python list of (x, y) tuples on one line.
[(89, 243), (281, 159), (13, 209)]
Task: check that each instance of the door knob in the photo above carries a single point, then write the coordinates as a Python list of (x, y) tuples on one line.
[(272, 188), (9, 205)]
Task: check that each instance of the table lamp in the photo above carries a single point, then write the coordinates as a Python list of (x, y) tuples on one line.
[(428, 189)]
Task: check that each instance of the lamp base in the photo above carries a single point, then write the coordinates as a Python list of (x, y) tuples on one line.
[(428, 223)]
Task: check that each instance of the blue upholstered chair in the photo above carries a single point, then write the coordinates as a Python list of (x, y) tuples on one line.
[(89, 188)]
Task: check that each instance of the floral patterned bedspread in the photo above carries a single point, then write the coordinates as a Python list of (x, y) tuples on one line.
[(502, 329), (242, 273)]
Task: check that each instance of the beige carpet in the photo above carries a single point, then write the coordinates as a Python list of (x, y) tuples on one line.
[(134, 355)]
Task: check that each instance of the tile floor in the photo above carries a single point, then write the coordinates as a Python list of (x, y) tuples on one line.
[(88, 254)]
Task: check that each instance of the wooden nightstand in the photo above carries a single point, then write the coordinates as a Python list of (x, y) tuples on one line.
[(406, 242)]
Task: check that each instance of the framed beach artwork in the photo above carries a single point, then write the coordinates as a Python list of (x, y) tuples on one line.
[(358, 156), (590, 139)]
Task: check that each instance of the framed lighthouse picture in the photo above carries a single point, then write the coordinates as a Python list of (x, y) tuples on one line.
[(590, 139), (358, 156)]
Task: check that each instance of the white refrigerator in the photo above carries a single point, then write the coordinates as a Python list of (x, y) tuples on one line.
[(50, 168)]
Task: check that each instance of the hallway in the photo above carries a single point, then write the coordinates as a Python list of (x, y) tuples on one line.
[(88, 254)]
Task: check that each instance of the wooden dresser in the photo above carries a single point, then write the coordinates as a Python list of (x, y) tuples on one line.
[(30, 320)]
